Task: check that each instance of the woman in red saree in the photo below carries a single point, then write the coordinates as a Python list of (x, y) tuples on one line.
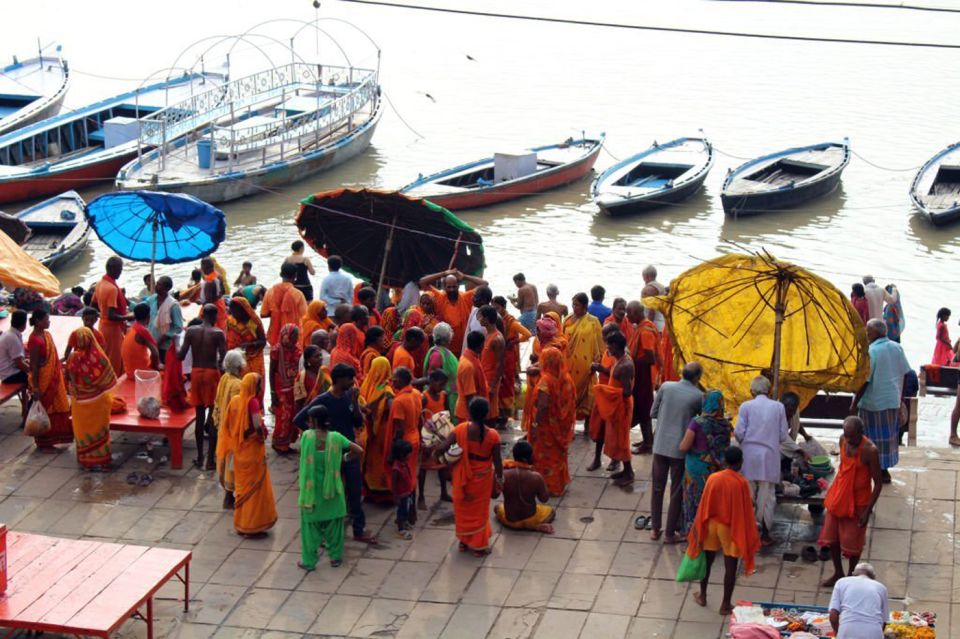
[(552, 429), (91, 380), (47, 384), (475, 476), (376, 395), (312, 380), (548, 334), (347, 349), (288, 369), (254, 509)]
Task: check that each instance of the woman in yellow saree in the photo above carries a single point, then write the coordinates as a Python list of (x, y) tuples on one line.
[(584, 347), (376, 395), (254, 510), (91, 381)]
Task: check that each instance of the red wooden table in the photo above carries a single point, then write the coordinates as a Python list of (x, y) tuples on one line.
[(170, 424), (85, 587)]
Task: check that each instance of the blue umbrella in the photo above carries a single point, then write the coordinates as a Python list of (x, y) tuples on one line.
[(148, 226)]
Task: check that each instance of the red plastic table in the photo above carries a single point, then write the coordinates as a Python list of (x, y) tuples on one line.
[(85, 587), (170, 424)]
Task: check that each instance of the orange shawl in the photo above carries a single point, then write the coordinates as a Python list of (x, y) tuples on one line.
[(312, 321), (472, 480), (726, 500), (555, 427), (348, 348), (616, 412)]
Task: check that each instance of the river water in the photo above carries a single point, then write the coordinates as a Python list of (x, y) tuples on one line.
[(534, 83)]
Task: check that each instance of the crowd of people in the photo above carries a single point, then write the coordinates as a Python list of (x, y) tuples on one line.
[(349, 382)]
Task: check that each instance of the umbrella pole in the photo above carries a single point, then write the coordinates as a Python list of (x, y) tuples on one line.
[(779, 309), (153, 258), (386, 256)]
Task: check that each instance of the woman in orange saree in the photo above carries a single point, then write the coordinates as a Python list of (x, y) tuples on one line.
[(376, 395), (475, 476), (47, 384), (584, 348), (245, 330), (314, 320), (554, 420), (288, 369), (347, 349), (548, 334), (374, 345), (91, 380), (254, 509)]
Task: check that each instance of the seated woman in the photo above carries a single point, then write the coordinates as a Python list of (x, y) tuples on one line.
[(522, 488)]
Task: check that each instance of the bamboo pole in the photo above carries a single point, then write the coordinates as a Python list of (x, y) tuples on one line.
[(386, 255), (779, 309)]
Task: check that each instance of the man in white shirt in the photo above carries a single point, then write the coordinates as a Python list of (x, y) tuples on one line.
[(337, 287), (410, 296), (482, 295), (859, 606), (13, 363), (877, 297)]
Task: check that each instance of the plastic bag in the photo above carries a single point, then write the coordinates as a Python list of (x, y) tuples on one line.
[(692, 569), (38, 422)]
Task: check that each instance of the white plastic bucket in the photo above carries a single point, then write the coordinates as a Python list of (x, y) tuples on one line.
[(148, 384)]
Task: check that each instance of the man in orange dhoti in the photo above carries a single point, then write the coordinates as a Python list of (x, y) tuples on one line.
[(615, 407), (596, 427), (139, 349), (725, 522), (492, 358), (283, 304), (642, 347), (584, 348), (470, 380), (452, 306), (403, 356), (514, 333), (211, 290), (553, 423), (209, 347), (114, 314), (851, 498)]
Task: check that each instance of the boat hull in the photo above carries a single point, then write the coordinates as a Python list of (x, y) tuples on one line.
[(28, 188), (69, 253), (50, 109), (532, 185), (772, 201), (225, 188), (628, 206)]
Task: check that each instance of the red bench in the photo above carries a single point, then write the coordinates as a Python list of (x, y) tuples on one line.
[(170, 424), (87, 588)]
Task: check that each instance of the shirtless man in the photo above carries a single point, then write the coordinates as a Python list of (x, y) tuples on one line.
[(491, 358), (623, 374), (523, 487), (595, 425), (552, 304), (526, 300), (209, 346), (652, 287)]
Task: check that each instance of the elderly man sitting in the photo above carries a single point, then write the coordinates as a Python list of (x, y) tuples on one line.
[(859, 606), (880, 397), (761, 427)]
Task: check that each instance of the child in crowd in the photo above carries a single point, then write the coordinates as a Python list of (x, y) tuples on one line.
[(434, 401), (403, 488)]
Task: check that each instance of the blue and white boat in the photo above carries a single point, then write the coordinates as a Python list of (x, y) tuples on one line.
[(935, 190), (32, 89), (661, 175), (785, 179), (81, 147), (276, 126), (58, 229)]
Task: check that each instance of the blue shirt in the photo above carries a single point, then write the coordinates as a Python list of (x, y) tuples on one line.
[(176, 322), (336, 288), (343, 413), (598, 310), (888, 365)]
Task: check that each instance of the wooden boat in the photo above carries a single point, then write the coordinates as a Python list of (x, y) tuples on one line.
[(936, 188), (80, 147), (785, 179), (507, 176), (280, 125), (32, 89), (58, 229), (661, 175)]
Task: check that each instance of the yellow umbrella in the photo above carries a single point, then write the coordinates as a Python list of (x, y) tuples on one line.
[(742, 315), (19, 269)]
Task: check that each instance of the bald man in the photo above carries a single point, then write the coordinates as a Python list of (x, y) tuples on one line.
[(552, 304), (453, 306)]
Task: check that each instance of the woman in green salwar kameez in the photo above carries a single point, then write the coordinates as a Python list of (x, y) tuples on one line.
[(322, 503)]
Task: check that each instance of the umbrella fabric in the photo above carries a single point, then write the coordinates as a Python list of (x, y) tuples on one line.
[(187, 228), (722, 315), (355, 225), (19, 269)]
